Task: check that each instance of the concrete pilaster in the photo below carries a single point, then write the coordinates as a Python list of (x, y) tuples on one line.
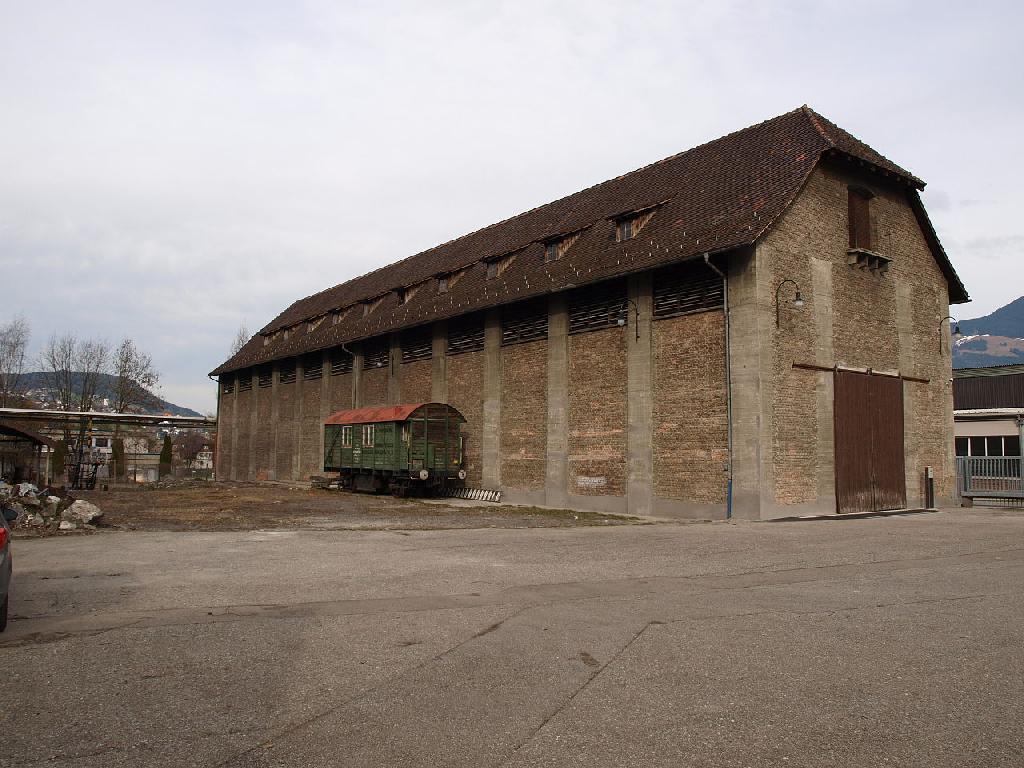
[(233, 404), (357, 376), (557, 470), (439, 363), (824, 355), (300, 386), (639, 403), (490, 441), (254, 424), (275, 418), (745, 342), (395, 369), (325, 401), (905, 336)]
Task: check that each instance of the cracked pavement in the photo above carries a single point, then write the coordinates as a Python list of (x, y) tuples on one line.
[(883, 641)]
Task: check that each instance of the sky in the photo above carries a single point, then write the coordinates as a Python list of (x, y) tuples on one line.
[(171, 171)]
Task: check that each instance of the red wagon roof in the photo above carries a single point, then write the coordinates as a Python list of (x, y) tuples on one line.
[(379, 413)]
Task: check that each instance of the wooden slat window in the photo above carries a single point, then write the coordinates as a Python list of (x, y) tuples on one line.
[(466, 334), (227, 383), (245, 380), (341, 362), (417, 344), (527, 321), (597, 307), (286, 371), (377, 353), (265, 376), (686, 288), (313, 367), (860, 217)]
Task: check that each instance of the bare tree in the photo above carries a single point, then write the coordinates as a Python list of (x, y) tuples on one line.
[(134, 378), (93, 358), (13, 343), (189, 444), (240, 340), (57, 361)]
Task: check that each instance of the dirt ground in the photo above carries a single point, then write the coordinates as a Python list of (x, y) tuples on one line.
[(206, 506)]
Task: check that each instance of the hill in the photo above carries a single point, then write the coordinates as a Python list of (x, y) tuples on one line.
[(995, 339), (1006, 321), (35, 385)]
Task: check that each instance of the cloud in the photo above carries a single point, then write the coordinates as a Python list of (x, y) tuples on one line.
[(172, 171)]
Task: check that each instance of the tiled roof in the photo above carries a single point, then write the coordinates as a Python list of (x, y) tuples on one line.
[(714, 197)]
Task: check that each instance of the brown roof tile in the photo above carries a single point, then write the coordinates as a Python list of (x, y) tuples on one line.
[(714, 197)]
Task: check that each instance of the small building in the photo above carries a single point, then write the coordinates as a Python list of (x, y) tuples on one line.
[(988, 410), (752, 328)]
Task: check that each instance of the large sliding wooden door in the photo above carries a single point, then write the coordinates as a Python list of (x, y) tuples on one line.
[(869, 442)]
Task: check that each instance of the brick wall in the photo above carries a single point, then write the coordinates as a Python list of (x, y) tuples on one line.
[(374, 387), (524, 414), (690, 440), (243, 427), (869, 329), (465, 393), (597, 413), (310, 460), (286, 415), (416, 381), (263, 440), (339, 393)]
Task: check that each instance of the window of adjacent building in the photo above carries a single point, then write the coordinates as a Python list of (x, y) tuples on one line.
[(368, 435), (860, 217), (313, 367), (341, 362), (346, 437), (227, 384), (245, 381), (442, 284), (1008, 445), (266, 376)]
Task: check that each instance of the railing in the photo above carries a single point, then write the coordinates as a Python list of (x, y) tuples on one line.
[(995, 477)]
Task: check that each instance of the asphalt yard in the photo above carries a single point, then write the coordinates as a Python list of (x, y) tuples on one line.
[(882, 641)]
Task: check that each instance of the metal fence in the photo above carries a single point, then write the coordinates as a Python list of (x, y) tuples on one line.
[(990, 477)]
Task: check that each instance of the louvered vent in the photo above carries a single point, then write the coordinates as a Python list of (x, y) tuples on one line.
[(341, 362), (686, 288), (466, 334), (286, 373), (265, 377), (245, 380), (524, 322), (313, 367), (597, 307), (227, 384), (417, 344), (377, 354)]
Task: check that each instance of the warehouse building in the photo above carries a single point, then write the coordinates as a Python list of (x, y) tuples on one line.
[(752, 328)]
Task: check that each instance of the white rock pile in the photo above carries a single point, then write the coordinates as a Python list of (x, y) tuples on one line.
[(41, 509)]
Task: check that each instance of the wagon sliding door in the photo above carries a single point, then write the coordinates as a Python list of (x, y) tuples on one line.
[(869, 442)]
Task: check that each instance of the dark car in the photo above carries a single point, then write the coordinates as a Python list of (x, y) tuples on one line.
[(5, 561)]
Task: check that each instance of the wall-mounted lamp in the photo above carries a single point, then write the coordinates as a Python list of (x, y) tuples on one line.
[(956, 330), (621, 322), (798, 300)]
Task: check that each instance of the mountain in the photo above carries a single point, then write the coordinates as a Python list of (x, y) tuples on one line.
[(35, 385), (995, 339)]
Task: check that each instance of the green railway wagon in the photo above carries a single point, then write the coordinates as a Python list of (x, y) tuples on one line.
[(416, 447)]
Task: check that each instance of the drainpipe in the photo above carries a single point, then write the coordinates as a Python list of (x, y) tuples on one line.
[(728, 384)]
